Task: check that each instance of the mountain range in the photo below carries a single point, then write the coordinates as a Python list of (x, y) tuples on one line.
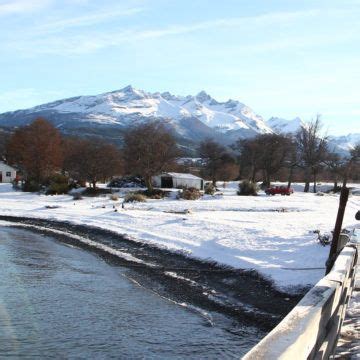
[(190, 118)]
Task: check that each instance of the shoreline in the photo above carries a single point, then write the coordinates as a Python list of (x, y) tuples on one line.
[(242, 295)]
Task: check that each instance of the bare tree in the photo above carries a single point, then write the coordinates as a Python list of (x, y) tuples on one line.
[(249, 157), (293, 160), (36, 149), (354, 162), (4, 139), (355, 153), (266, 152), (312, 150), (149, 149), (336, 166), (219, 163), (91, 160), (275, 150)]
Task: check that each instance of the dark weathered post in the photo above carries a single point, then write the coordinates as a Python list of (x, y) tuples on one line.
[(338, 225)]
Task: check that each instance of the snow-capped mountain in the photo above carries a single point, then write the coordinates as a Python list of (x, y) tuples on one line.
[(190, 118), (127, 105), (339, 144), (284, 126), (346, 142)]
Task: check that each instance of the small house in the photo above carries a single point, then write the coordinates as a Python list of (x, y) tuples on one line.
[(7, 173), (178, 180)]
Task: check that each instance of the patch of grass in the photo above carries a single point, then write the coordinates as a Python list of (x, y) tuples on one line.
[(114, 197), (190, 194), (153, 194), (134, 197), (209, 189)]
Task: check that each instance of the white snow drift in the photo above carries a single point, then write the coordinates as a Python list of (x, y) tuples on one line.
[(273, 235)]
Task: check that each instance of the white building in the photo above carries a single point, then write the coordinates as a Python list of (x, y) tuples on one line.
[(178, 180), (7, 173)]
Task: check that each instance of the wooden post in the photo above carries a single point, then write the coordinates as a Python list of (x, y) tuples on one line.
[(338, 225)]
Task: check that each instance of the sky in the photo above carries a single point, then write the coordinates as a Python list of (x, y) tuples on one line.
[(282, 58)]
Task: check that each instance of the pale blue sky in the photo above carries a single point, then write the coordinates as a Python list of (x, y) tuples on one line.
[(283, 58)]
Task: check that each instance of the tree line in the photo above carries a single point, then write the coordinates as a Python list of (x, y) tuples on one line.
[(303, 156), (41, 153)]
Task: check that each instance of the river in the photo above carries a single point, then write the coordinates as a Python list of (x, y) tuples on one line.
[(59, 301)]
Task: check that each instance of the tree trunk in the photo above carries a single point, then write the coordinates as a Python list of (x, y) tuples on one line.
[(241, 172), (253, 173), (307, 181), (314, 187), (290, 176), (148, 183), (268, 180), (265, 180), (94, 183)]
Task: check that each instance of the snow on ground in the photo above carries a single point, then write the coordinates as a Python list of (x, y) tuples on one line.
[(273, 235)]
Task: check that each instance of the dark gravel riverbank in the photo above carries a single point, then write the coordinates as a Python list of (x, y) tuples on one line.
[(241, 295)]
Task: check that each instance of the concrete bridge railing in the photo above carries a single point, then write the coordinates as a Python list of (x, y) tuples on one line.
[(311, 329)]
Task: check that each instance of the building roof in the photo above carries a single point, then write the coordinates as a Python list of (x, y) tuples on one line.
[(6, 167), (183, 176)]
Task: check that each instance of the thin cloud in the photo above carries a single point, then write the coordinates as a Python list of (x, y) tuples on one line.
[(93, 41), (9, 7), (87, 20)]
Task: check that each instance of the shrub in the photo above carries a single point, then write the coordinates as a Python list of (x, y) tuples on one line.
[(209, 189), (153, 194), (190, 194), (127, 182), (58, 184), (114, 197), (31, 186), (96, 192), (134, 197), (247, 188)]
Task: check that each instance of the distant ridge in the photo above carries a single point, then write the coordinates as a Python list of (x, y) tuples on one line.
[(190, 118)]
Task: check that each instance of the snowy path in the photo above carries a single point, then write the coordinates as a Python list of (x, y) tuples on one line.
[(273, 235)]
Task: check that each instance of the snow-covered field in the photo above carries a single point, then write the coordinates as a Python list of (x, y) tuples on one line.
[(273, 235)]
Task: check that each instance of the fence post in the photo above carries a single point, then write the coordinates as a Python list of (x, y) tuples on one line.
[(344, 195)]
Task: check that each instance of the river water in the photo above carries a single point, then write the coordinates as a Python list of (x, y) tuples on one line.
[(58, 301)]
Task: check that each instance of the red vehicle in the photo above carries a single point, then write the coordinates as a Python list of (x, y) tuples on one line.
[(282, 190)]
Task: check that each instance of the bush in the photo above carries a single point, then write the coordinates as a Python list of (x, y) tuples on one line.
[(58, 184), (114, 197), (96, 192), (247, 188), (127, 182), (134, 197), (31, 186), (209, 189), (153, 194), (190, 194)]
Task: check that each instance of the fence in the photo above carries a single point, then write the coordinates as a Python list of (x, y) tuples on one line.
[(311, 329)]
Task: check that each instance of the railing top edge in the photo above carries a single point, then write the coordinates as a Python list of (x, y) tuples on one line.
[(307, 311)]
